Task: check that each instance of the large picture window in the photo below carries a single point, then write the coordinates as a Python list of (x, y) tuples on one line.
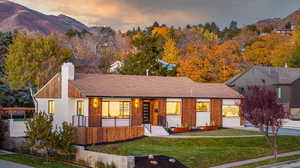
[(173, 108), (115, 109), (231, 110), (80, 108), (202, 106), (51, 107)]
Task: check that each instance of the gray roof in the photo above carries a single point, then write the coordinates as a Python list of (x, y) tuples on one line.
[(272, 75)]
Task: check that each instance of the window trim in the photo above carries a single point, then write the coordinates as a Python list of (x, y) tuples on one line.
[(49, 106), (180, 102), (121, 102), (279, 93), (77, 109)]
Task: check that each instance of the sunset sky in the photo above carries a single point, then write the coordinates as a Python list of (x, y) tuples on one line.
[(125, 14)]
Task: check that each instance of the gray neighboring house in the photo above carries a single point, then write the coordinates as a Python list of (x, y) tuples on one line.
[(285, 81)]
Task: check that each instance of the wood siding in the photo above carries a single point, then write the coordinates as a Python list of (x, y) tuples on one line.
[(52, 89), (94, 119), (216, 112), (73, 92), (136, 111), (87, 136), (188, 112), (160, 105)]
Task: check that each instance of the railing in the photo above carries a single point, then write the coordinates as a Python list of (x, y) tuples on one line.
[(79, 121), (148, 127), (16, 112), (162, 121)]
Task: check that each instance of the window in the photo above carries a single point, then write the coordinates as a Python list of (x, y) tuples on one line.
[(51, 106), (231, 110), (115, 109), (80, 110), (173, 108), (202, 107)]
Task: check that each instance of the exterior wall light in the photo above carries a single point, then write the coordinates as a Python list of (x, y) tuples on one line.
[(95, 102), (136, 103)]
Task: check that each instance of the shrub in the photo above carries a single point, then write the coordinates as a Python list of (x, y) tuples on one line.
[(3, 130)]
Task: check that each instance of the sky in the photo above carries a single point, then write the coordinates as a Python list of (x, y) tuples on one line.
[(125, 14)]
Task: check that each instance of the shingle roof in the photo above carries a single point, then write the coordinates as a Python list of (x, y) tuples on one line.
[(274, 75), (108, 85)]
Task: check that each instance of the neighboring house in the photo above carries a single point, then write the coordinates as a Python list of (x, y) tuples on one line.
[(115, 66), (285, 81), (166, 65), (118, 64), (106, 100)]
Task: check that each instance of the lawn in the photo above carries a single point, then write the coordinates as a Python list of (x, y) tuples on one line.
[(269, 161), (34, 161), (221, 132), (201, 152)]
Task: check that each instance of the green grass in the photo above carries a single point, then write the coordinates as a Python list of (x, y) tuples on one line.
[(269, 161), (201, 152), (34, 161), (221, 132)]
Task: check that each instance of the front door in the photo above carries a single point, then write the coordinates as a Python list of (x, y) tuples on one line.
[(146, 113)]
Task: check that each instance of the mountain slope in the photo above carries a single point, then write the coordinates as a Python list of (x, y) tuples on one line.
[(17, 17)]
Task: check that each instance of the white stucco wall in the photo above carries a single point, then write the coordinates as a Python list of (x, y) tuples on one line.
[(118, 123), (202, 118), (174, 120)]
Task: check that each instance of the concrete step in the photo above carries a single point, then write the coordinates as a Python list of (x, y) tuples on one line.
[(155, 131)]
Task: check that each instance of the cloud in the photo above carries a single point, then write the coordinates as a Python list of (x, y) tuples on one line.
[(124, 14)]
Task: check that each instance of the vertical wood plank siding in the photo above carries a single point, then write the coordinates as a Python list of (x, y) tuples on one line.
[(161, 105), (216, 112), (52, 89), (88, 135), (188, 112), (136, 111), (73, 92), (95, 113)]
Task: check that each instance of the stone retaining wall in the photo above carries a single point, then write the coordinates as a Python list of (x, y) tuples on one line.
[(92, 158)]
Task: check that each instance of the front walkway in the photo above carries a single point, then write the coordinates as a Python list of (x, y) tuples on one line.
[(282, 131), (244, 162)]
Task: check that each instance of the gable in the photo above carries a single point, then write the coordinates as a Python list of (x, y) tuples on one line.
[(52, 89), (74, 92)]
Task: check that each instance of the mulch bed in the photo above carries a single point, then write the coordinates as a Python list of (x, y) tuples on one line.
[(158, 161)]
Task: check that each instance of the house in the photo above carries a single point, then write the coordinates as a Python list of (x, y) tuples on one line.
[(111, 101), (115, 66), (285, 81)]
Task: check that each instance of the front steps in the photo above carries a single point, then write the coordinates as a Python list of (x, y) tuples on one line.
[(153, 130)]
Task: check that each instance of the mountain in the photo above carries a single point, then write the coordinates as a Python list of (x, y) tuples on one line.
[(280, 22), (17, 17)]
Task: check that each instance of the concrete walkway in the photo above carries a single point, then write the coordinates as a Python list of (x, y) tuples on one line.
[(179, 136), (244, 162), (8, 164)]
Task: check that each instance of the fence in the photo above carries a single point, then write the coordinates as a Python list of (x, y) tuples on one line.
[(94, 135)]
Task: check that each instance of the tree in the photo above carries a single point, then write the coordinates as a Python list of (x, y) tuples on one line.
[(261, 108), (64, 138), (171, 52), (295, 58), (5, 41), (149, 50), (31, 62), (233, 25)]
